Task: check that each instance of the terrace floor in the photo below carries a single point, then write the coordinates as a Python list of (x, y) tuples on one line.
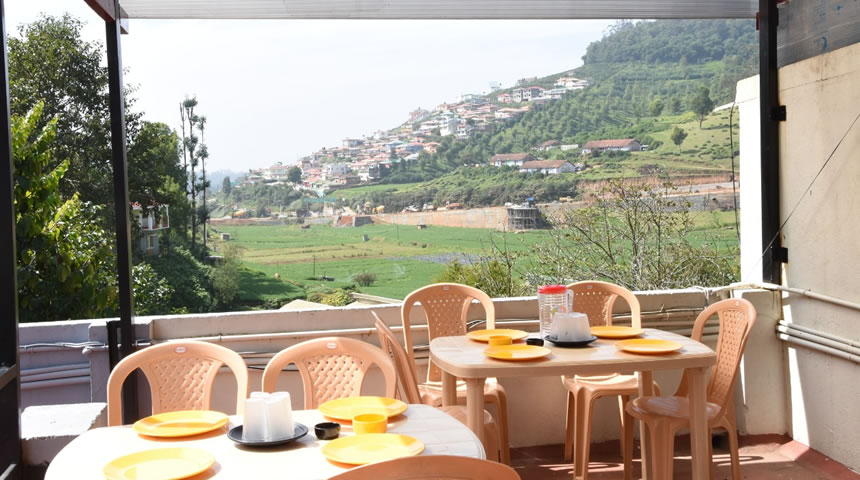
[(763, 457)]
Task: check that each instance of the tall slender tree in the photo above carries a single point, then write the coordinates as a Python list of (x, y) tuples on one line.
[(203, 154), (190, 157)]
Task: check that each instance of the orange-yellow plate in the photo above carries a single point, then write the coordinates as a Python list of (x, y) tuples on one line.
[(616, 332), (159, 464), (371, 448), (648, 345), (484, 335), (517, 352), (346, 408), (180, 424)]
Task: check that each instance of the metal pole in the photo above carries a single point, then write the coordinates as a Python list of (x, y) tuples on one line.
[(10, 381), (772, 251), (121, 206)]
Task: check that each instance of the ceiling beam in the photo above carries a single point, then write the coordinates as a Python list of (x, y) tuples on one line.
[(107, 11), (436, 9)]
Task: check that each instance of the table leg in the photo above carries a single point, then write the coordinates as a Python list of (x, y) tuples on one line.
[(475, 406), (646, 389), (699, 432), (449, 389)]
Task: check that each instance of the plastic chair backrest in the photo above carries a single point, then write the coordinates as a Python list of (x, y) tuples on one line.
[(596, 299), (437, 467), (736, 316), (180, 376), (331, 367), (407, 377), (445, 306)]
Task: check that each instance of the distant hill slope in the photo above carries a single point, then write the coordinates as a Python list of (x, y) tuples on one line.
[(630, 68)]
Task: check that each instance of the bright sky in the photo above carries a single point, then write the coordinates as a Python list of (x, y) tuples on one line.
[(275, 90)]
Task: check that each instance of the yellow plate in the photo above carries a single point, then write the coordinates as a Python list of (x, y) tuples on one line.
[(371, 448), (484, 335), (346, 408), (616, 332), (180, 424), (517, 352), (159, 464), (648, 345)]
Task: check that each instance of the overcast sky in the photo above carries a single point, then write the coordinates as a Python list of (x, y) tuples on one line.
[(275, 90)]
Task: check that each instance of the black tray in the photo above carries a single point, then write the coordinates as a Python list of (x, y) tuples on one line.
[(577, 344), (299, 431)]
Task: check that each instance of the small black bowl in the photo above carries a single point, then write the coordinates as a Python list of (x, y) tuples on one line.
[(327, 430)]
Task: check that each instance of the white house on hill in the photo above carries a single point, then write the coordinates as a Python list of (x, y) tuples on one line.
[(549, 167), (511, 159), (627, 144)]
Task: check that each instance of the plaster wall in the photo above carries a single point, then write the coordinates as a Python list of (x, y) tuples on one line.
[(822, 234)]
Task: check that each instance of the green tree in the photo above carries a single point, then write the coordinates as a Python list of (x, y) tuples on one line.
[(496, 272), (50, 63), (152, 294), (656, 107), (678, 136), (294, 174), (194, 154), (226, 186), (225, 277), (675, 105), (154, 174), (65, 260), (635, 236), (203, 185), (701, 104)]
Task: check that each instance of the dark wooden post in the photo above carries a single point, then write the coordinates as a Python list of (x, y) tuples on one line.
[(121, 206), (10, 381)]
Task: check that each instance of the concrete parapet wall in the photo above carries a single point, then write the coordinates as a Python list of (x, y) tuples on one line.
[(536, 405)]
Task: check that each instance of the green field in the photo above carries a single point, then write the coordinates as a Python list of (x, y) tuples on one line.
[(403, 258), (350, 193)]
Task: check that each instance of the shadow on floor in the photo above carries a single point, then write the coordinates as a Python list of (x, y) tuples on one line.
[(763, 457)]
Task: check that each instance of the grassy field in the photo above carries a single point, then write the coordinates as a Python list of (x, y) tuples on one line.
[(403, 258), (350, 193)]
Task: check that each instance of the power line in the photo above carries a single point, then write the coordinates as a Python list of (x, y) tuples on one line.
[(809, 187)]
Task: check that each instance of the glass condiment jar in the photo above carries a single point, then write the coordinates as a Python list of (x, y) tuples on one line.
[(552, 299)]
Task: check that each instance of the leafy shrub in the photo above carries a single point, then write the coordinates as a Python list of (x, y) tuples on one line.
[(152, 294), (191, 280), (225, 278), (364, 279), (337, 298)]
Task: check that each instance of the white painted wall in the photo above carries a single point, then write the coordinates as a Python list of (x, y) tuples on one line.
[(747, 99), (822, 236)]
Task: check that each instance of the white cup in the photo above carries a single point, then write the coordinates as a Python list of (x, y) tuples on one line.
[(279, 411), (254, 424), (570, 327)]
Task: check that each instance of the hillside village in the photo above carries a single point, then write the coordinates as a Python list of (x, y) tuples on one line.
[(368, 159)]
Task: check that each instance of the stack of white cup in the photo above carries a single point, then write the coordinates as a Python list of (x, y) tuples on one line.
[(570, 327), (268, 417)]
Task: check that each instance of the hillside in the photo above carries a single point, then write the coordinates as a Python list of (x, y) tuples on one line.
[(641, 80)]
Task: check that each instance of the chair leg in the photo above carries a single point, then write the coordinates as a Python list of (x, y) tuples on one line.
[(626, 436), (732, 429), (491, 441), (501, 402), (582, 440), (569, 422), (710, 455)]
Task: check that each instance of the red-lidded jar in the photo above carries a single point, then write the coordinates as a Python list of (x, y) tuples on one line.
[(552, 299)]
